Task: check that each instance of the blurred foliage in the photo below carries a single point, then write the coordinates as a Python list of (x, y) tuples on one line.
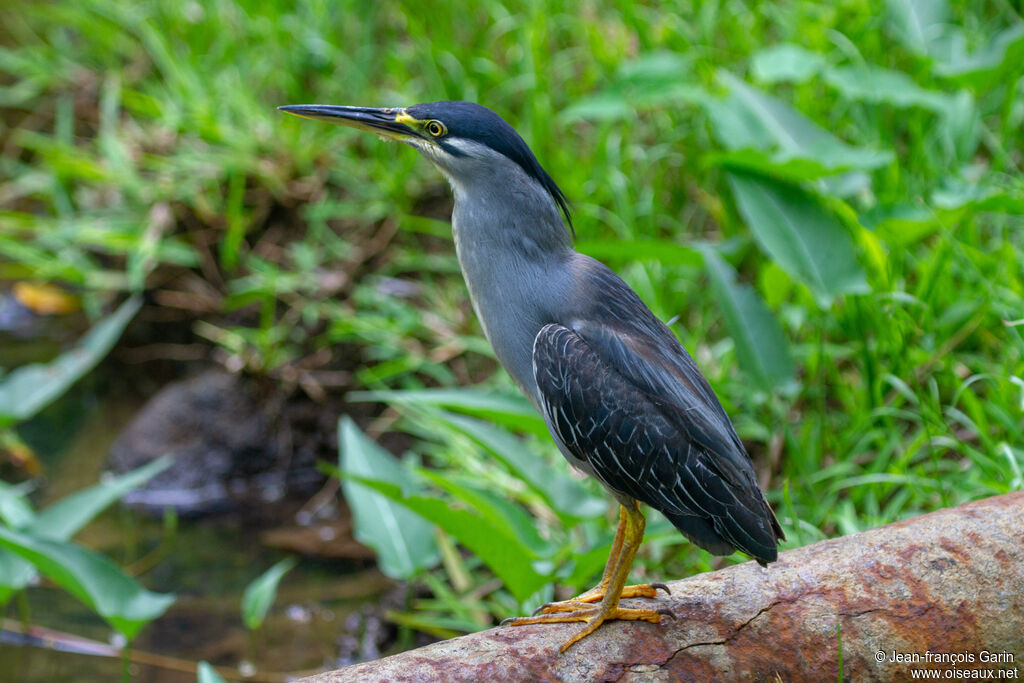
[(29, 388), (205, 673), (31, 542), (259, 595), (403, 541), (846, 177)]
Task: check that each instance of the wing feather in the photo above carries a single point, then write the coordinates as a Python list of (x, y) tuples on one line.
[(666, 443)]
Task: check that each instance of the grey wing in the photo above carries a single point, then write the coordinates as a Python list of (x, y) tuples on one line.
[(622, 330), (640, 448)]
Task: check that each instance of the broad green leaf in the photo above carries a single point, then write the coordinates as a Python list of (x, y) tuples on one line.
[(875, 84), (604, 106), (27, 390), (786, 62), (63, 519), (510, 410), (91, 578), (773, 283), (771, 134), (960, 126), (435, 623), (792, 228), (588, 565), (980, 197), (205, 673), (404, 542), (954, 202), (564, 494), (659, 66), (982, 68), (15, 511), (651, 80), (500, 512), (769, 163), (259, 595), (15, 574), (498, 549), (845, 185), (761, 346), (921, 25), (899, 225)]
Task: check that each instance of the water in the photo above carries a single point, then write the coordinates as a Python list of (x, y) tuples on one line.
[(207, 562)]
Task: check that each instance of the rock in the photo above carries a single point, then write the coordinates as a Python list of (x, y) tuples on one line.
[(223, 438), (941, 594)]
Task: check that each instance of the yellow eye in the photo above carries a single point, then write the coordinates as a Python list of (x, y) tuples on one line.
[(436, 128)]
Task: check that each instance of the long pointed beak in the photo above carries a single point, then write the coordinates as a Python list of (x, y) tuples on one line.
[(388, 122)]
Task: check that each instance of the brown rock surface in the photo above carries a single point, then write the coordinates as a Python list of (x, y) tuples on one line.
[(947, 582)]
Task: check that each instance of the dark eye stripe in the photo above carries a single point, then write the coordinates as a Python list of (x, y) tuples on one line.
[(450, 148), (470, 121)]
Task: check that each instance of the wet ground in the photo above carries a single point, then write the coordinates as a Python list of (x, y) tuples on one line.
[(327, 612)]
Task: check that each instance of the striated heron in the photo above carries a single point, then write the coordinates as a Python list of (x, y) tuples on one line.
[(621, 397)]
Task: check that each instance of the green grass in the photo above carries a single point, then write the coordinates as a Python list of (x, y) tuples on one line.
[(142, 151)]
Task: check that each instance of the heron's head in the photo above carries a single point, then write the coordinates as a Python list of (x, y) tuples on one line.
[(466, 141)]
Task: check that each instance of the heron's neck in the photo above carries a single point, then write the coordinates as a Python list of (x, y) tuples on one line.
[(513, 250)]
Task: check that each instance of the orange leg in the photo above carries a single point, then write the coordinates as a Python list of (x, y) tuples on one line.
[(595, 594), (606, 594)]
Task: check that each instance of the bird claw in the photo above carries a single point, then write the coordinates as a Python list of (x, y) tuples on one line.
[(595, 595), (666, 612), (594, 615)]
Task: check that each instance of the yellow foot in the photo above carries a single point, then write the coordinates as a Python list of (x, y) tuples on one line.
[(593, 615), (644, 590)]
